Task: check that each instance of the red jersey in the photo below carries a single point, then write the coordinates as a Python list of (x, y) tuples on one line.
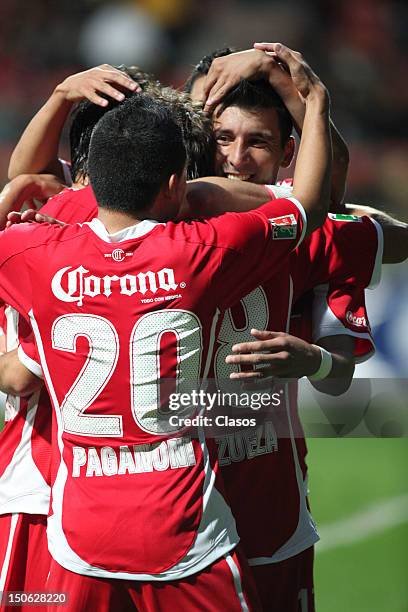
[(25, 440), (274, 523), (109, 321), (72, 205), (267, 307)]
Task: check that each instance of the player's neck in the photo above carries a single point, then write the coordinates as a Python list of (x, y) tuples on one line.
[(115, 221)]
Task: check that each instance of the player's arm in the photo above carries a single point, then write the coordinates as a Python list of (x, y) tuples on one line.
[(296, 107), (15, 378), (261, 62), (37, 149), (311, 183), (24, 189), (395, 232), (281, 355), (339, 379), (31, 216)]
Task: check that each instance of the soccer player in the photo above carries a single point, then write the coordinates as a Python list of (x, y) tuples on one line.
[(26, 438), (17, 452), (68, 535), (253, 141)]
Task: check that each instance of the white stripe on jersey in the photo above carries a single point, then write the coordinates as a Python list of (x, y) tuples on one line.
[(376, 276), (29, 363), (22, 485), (237, 582), (6, 562)]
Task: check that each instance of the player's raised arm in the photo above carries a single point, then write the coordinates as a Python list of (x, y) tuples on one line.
[(37, 149), (294, 104), (311, 182)]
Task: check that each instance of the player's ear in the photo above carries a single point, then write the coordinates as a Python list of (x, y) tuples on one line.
[(288, 152), (177, 185), (172, 185)]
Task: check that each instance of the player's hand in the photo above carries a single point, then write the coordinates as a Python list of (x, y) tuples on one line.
[(26, 188), (30, 216), (93, 84), (279, 78), (276, 354), (305, 80), (226, 72)]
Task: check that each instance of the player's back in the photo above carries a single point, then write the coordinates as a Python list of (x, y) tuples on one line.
[(112, 315), (110, 311)]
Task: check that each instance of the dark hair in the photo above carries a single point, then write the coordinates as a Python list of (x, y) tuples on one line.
[(134, 149), (254, 95), (204, 65), (197, 130), (86, 115)]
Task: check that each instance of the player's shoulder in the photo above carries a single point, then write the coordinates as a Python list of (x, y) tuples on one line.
[(339, 219), (72, 205), (281, 217), (344, 226), (193, 231), (65, 195), (220, 232), (26, 236)]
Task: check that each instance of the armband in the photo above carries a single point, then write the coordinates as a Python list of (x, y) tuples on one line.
[(325, 366)]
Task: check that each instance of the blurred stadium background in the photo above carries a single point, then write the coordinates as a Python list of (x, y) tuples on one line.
[(360, 50)]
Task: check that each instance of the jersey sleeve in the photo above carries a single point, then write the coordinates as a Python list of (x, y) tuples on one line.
[(72, 205), (356, 249), (15, 282), (254, 244), (340, 309), (28, 355), (347, 248)]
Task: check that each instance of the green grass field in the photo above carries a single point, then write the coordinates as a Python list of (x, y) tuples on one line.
[(348, 477)]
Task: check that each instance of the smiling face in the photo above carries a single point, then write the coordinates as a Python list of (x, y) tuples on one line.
[(249, 145)]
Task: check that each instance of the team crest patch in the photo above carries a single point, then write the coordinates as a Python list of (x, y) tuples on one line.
[(284, 228), (341, 217)]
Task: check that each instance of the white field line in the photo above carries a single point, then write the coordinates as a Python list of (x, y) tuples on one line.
[(359, 526)]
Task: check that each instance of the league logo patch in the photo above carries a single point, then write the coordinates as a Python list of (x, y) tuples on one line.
[(284, 228), (341, 217)]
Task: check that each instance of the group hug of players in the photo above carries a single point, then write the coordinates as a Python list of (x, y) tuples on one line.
[(149, 277)]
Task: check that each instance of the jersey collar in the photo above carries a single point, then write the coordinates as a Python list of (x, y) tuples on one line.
[(133, 231)]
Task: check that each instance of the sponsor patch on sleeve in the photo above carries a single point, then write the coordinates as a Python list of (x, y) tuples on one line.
[(356, 320), (284, 227), (341, 217)]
